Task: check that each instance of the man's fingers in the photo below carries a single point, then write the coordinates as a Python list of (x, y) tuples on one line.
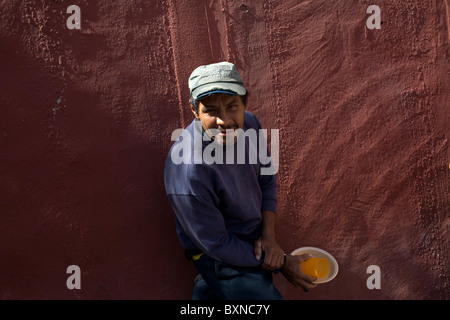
[(305, 276), (305, 285), (308, 278), (278, 261), (258, 249), (272, 261), (305, 256), (267, 263)]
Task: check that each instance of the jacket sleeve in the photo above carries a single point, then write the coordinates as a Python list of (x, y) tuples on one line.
[(204, 225), (267, 181)]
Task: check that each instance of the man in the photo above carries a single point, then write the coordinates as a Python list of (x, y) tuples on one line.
[(225, 211)]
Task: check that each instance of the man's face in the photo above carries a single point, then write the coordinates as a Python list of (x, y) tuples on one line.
[(222, 112)]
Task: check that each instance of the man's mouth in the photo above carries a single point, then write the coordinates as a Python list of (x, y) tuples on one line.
[(223, 132), (223, 136)]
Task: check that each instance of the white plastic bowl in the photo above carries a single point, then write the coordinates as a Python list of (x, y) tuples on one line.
[(319, 253)]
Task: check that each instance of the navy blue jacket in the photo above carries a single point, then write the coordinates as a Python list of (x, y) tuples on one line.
[(218, 206)]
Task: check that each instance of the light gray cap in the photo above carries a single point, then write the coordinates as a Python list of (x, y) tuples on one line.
[(221, 77)]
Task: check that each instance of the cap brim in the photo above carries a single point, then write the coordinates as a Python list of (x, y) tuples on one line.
[(206, 94), (219, 87)]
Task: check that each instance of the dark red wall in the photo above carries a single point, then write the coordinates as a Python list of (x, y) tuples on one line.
[(86, 118)]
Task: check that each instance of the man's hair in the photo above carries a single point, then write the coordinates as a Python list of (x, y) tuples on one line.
[(195, 102)]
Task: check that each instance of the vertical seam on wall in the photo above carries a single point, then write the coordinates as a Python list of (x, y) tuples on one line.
[(172, 18)]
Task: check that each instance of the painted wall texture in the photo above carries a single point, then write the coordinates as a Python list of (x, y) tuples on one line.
[(86, 117)]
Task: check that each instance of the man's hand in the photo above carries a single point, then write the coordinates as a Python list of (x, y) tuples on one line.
[(267, 243), (273, 253), (292, 271)]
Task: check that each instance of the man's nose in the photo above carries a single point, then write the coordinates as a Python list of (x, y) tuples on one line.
[(223, 119)]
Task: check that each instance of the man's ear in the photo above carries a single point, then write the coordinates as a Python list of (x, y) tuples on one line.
[(244, 101), (193, 110)]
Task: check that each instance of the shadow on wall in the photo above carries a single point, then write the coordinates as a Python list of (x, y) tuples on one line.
[(81, 183)]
